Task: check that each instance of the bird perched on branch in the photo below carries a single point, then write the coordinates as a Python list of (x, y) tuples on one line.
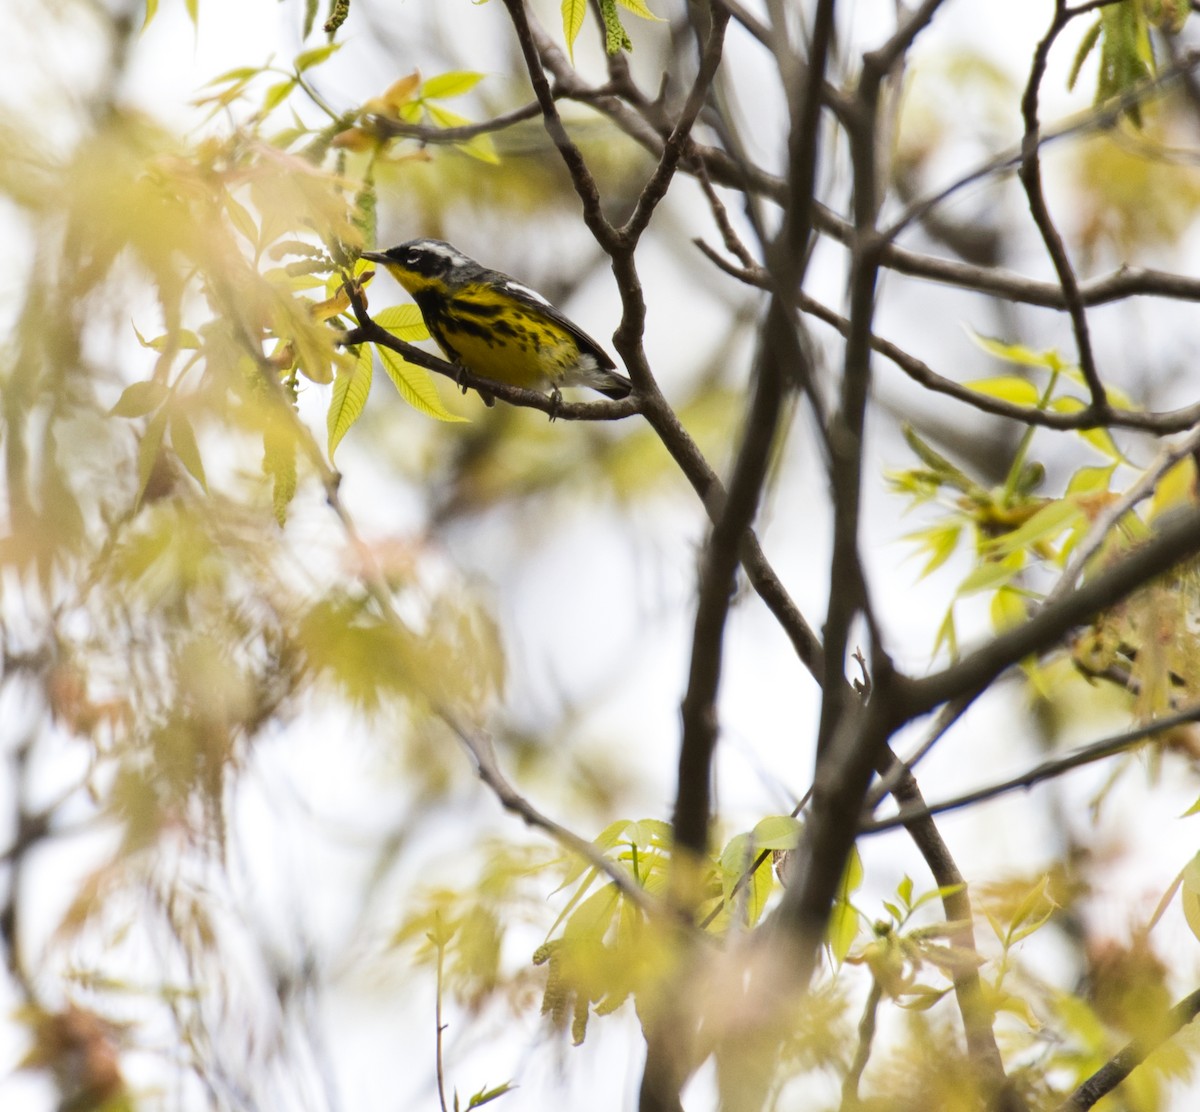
[(493, 326)]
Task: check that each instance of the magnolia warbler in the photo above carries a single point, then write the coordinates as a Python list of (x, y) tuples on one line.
[(493, 326)]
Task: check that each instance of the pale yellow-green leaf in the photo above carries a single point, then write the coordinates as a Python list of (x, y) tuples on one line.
[(1091, 480), (639, 9), (404, 322), (593, 917), (151, 11), (777, 832), (1008, 609), (940, 541), (1176, 488), (416, 386), (193, 11), (1050, 521), (309, 58), (480, 147), (350, 390), (1015, 353), (452, 84), (843, 930), (139, 398), (573, 12), (183, 440), (240, 218), (1007, 388), (988, 576), (1190, 894), (276, 95), (852, 878), (947, 635), (1099, 438), (148, 449)]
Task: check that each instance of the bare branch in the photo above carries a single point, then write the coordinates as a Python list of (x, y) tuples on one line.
[(1047, 770), (1109, 1076)]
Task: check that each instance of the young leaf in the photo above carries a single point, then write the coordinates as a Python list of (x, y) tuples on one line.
[(452, 84), (416, 386), (183, 440), (777, 832), (350, 390), (405, 322), (306, 59), (139, 399), (573, 12), (148, 449)]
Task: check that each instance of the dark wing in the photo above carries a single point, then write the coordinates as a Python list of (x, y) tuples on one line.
[(518, 291)]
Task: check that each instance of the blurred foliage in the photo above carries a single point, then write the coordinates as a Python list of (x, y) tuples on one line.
[(184, 598)]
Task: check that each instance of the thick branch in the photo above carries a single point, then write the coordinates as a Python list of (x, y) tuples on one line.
[(1178, 540)]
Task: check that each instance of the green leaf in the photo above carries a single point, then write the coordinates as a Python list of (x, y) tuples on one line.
[(148, 449), (905, 890), (183, 440), (1085, 48), (241, 219), (777, 832), (404, 322), (987, 577), (1091, 480), (277, 94), (139, 399), (452, 84), (416, 386), (947, 635), (594, 916), (279, 463), (1008, 388), (1099, 438), (193, 11), (639, 9), (573, 12), (1015, 353), (486, 1096), (1050, 521), (480, 147), (1190, 894), (151, 11), (1008, 609), (843, 930), (350, 390), (306, 59), (940, 541)]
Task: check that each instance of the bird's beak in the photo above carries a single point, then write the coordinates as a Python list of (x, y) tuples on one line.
[(375, 256)]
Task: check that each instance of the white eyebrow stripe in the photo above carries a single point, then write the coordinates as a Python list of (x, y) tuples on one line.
[(433, 247), (517, 287)]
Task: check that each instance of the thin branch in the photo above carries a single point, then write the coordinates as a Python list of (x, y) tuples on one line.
[(679, 140), (780, 346), (425, 134), (862, 1051), (581, 176), (1109, 1076), (1112, 514), (480, 747), (1161, 423), (368, 332), (1047, 770), (1030, 173), (977, 1015)]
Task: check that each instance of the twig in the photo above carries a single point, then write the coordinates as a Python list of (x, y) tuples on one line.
[(1030, 173), (1047, 770), (1109, 1076), (1113, 513)]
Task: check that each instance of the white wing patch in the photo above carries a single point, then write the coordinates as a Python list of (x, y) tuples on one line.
[(517, 287)]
